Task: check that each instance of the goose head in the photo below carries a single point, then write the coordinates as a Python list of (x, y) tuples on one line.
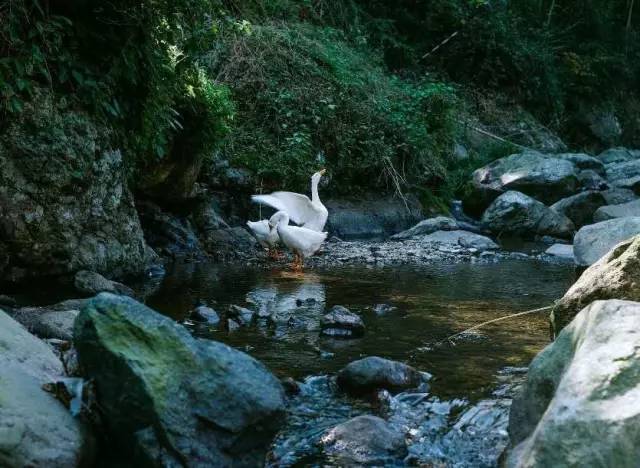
[(315, 178), (278, 218)]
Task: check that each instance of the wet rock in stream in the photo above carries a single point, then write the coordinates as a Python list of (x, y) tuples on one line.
[(363, 440), (91, 283), (206, 315), (383, 309), (435, 432), (373, 373), (340, 322), (241, 315)]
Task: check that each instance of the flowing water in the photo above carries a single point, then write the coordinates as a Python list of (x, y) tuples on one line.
[(460, 419)]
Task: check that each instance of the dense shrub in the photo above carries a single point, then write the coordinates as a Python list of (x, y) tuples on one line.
[(307, 97), (133, 64)]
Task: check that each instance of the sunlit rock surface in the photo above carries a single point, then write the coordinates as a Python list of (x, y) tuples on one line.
[(615, 276), (518, 214), (581, 403), (592, 242), (35, 428)]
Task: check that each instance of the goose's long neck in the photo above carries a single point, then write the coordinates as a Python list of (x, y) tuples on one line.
[(315, 198), (284, 220)]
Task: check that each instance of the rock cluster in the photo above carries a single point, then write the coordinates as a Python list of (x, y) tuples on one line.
[(535, 195)]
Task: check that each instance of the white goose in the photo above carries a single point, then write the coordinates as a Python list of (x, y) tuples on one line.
[(302, 241), (266, 235), (310, 214)]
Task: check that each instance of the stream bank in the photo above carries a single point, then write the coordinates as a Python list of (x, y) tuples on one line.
[(403, 293)]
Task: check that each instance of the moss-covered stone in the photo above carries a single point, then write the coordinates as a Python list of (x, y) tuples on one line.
[(580, 405), (168, 395), (64, 202)]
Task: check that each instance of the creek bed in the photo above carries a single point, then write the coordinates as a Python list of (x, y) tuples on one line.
[(462, 418)]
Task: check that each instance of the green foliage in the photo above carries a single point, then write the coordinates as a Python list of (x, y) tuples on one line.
[(284, 87), (35, 52), (134, 65), (556, 58), (307, 97), (458, 184)]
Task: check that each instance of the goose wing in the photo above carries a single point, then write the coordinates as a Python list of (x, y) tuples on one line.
[(297, 206)]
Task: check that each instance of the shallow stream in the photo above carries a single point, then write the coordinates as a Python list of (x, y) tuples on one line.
[(461, 419)]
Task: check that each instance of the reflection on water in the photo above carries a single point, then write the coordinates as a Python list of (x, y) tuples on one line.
[(461, 421), (431, 304)]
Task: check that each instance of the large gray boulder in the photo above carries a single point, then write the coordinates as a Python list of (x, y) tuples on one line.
[(35, 428), (614, 276), (618, 155), (518, 214), (618, 196), (364, 441), (19, 347), (371, 216), (619, 172), (375, 373), (171, 398), (583, 161), (592, 242), (581, 207), (580, 405), (543, 177), (64, 201), (624, 210), (54, 321)]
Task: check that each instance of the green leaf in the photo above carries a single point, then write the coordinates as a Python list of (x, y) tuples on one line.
[(77, 76)]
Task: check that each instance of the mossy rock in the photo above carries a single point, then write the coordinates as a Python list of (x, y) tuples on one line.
[(171, 397)]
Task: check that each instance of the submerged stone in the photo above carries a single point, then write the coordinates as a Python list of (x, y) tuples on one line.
[(241, 315), (205, 314), (341, 322), (374, 373), (364, 440)]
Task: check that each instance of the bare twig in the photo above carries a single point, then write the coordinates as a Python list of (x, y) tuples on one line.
[(491, 135), (499, 319)]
